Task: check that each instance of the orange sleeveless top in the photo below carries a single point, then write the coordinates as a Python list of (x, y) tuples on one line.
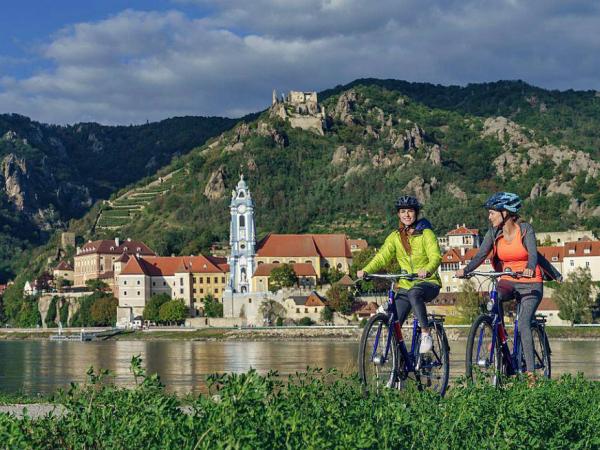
[(513, 255)]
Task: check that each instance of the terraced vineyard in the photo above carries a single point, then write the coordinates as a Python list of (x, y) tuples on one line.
[(119, 212)]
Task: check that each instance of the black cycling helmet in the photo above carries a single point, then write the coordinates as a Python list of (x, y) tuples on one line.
[(504, 201), (408, 202)]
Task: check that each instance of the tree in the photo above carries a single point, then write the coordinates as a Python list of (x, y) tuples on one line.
[(306, 322), (271, 310), (282, 276), (173, 311), (96, 285), (340, 299), (574, 297), (326, 314), (29, 314), (104, 311), (152, 308), (212, 306), (467, 302)]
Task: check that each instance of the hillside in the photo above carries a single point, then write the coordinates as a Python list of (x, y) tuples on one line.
[(384, 138), (51, 174)]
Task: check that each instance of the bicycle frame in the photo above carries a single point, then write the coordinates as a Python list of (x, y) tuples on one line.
[(499, 333)]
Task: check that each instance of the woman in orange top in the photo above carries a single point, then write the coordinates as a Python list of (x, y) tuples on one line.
[(514, 247)]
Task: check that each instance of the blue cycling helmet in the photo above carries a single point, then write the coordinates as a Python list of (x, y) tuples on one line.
[(408, 202), (504, 201)]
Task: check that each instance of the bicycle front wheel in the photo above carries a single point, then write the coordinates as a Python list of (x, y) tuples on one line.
[(378, 354), (481, 363)]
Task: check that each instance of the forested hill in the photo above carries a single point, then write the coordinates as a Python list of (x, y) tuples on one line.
[(384, 138), (50, 174)]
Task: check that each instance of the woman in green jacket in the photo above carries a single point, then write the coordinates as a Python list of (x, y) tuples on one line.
[(415, 247)]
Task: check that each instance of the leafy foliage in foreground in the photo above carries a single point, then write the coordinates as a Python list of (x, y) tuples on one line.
[(314, 410)]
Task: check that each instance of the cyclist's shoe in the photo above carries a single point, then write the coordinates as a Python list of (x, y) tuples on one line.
[(426, 343), (382, 309)]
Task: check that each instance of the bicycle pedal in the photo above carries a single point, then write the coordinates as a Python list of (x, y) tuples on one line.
[(378, 360), (482, 363)]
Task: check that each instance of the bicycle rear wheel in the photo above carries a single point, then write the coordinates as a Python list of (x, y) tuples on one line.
[(541, 350), (481, 364), (378, 354), (434, 367)]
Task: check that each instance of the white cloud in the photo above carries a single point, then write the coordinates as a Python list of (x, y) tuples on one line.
[(136, 65)]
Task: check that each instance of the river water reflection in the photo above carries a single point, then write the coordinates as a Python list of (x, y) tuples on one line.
[(43, 366)]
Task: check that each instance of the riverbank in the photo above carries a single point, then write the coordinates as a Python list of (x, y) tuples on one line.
[(268, 333)]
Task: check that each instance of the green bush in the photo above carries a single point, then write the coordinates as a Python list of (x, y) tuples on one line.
[(306, 322), (252, 411)]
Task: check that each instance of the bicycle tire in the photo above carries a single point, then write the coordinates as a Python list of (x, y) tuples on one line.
[(430, 375), (381, 373), (480, 367), (541, 349)]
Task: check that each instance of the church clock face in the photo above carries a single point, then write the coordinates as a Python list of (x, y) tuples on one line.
[(241, 209)]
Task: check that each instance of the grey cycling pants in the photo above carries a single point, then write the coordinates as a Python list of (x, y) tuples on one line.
[(415, 298), (529, 295)]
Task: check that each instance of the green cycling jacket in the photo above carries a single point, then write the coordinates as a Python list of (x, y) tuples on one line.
[(425, 255)]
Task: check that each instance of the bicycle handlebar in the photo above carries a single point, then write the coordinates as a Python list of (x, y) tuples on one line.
[(493, 274), (391, 276)]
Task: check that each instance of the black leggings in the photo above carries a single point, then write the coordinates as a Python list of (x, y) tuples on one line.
[(415, 298), (529, 295)]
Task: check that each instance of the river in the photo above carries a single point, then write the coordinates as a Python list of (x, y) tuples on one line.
[(42, 366)]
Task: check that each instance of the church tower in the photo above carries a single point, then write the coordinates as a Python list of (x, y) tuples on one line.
[(242, 239)]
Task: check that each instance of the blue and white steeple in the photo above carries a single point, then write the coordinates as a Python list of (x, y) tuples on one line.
[(242, 238)]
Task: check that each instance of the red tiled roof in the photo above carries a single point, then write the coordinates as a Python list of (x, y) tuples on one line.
[(314, 300), (462, 230), (547, 304), (345, 281), (108, 246), (123, 258), (304, 245), (452, 256), (170, 265), (64, 265), (552, 252), (358, 244), (300, 269), (580, 248), (367, 309)]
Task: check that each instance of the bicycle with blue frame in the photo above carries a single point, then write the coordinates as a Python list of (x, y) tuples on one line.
[(488, 355), (384, 359)]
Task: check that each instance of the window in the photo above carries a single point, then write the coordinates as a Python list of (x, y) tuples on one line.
[(571, 251), (572, 263), (292, 262), (587, 264), (223, 280), (181, 282), (249, 300), (487, 261), (124, 292), (164, 283), (202, 291), (308, 262), (138, 282), (138, 293), (216, 279), (154, 283), (339, 266), (125, 282), (298, 310), (216, 291), (201, 280), (587, 250), (194, 290), (305, 310), (241, 194), (447, 288), (555, 258), (181, 291), (242, 221), (315, 309)]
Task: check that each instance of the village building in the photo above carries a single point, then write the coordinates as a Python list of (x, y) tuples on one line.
[(582, 255), (64, 270), (460, 237), (549, 309), (300, 306), (560, 238), (307, 277), (96, 259), (455, 259), (189, 278)]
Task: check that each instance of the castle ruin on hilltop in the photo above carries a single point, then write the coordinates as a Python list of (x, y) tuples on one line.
[(301, 109)]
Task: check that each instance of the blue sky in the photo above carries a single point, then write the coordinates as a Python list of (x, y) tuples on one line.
[(121, 62)]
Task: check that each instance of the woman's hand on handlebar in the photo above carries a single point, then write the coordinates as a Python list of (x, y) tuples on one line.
[(422, 273), (460, 273), (360, 273), (527, 273)]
